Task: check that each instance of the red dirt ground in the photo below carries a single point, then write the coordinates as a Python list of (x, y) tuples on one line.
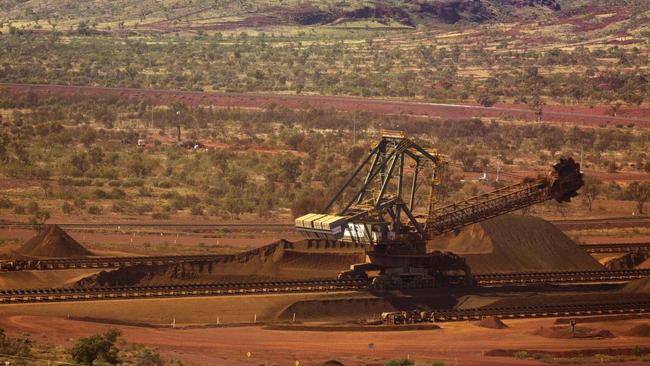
[(11, 183), (584, 115), (460, 343)]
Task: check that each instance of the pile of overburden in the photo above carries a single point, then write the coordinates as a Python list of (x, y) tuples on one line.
[(280, 260), (515, 243), (641, 330), (492, 322), (53, 242), (637, 286), (644, 265)]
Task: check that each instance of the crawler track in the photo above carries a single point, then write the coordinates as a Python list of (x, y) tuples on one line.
[(216, 289)]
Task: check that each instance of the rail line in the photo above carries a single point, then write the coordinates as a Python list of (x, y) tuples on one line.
[(616, 248)]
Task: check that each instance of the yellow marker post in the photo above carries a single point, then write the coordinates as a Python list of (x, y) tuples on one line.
[(297, 363), (248, 354)]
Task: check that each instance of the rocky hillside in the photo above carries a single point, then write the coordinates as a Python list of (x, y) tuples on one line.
[(165, 15)]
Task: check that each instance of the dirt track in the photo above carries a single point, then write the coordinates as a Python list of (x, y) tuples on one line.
[(459, 343), (571, 114)]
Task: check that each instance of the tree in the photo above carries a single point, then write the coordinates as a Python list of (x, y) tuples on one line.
[(536, 104), (96, 155), (140, 166), (639, 192), (467, 157), (66, 208), (308, 200), (232, 203), (591, 190), (47, 188), (33, 207), (80, 161), (285, 169), (486, 100), (39, 218), (52, 23), (83, 29), (97, 347), (88, 137)]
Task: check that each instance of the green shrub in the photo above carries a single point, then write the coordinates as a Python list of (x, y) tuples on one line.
[(402, 362), (133, 182), (145, 191), (6, 203), (94, 210), (78, 182), (100, 194), (121, 207), (170, 195), (148, 357), (79, 202), (144, 208), (163, 184), (117, 193), (32, 207), (66, 208), (522, 355), (160, 216)]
